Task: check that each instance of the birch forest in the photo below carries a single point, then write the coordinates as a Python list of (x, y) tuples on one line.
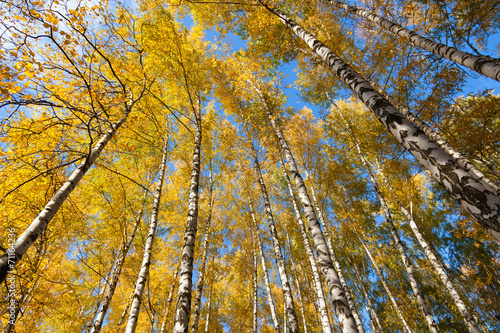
[(249, 166)]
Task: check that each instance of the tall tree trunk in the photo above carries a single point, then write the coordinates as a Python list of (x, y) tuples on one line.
[(140, 285), (201, 277), (301, 299), (40, 223), (169, 301), (482, 65), (255, 285), (438, 139), (287, 292), (318, 288), (267, 283), (96, 328), (209, 308), (386, 287), (368, 300), (350, 299), (340, 304), (183, 307), (436, 262), (480, 202), (125, 311), (410, 270)]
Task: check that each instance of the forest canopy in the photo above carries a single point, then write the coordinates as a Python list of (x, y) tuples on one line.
[(250, 166)]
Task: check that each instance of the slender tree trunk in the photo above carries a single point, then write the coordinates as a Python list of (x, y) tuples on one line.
[(410, 270), (318, 288), (200, 284), (40, 223), (438, 139), (368, 300), (301, 299), (255, 326), (345, 318), (183, 307), (386, 287), (350, 299), (124, 313), (482, 65), (169, 302), (148, 248), (266, 272), (209, 308), (436, 262), (287, 292), (96, 328), (480, 202)]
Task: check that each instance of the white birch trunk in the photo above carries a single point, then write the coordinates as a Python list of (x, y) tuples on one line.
[(183, 307), (201, 278), (96, 328), (482, 65), (436, 262), (350, 299), (267, 283), (480, 202), (285, 284), (8, 260), (255, 285), (438, 139), (386, 287), (140, 285), (345, 318), (318, 288), (209, 308), (125, 311)]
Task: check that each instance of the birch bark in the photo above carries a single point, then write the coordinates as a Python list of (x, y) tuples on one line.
[(287, 292), (183, 307), (345, 318), (479, 64), (255, 285), (338, 268), (146, 260), (318, 288), (266, 272), (200, 285), (163, 327), (480, 202)]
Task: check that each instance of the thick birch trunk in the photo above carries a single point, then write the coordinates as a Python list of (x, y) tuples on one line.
[(350, 299), (479, 64), (370, 305), (96, 328), (410, 270), (480, 202), (255, 285), (438, 139), (345, 318), (267, 283), (318, 288), (183, 307), (201, 278), (386, 287), (287, 292), (8, 260), (436, 262), (140, 285)]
